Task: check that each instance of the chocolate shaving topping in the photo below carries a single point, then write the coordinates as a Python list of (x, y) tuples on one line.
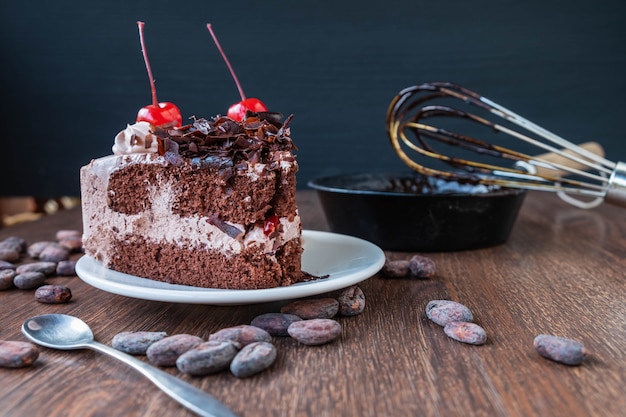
[(229, 229), (222, 143)]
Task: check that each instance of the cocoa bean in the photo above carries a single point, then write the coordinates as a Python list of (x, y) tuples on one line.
[(560, 349), (72, 244), (242, 335), (54, 253), (351, 301), (14, 242), (16, 354), (321, 308), (465, 332), (396, 269), (207, 358), (9, 255), (46, 268), (35, 249), (6, 278), (167, 350), (68, 234), (29, 280), (275, 324), (53, 294), (6, 265), (253, 359), (315, 331), (421, 267), (136, 343), (66, 268), (443, 312)]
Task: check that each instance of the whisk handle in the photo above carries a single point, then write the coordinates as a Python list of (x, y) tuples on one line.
[(616, 191)]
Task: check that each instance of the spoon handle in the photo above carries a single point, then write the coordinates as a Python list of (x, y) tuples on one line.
[(191, 397)]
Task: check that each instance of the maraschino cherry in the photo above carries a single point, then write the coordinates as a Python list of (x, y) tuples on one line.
[(157, 114), (238, 110)]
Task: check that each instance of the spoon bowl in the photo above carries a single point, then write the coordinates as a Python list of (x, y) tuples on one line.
[(60, 331)]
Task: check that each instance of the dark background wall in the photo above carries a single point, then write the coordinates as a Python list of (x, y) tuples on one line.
[(72, 74)]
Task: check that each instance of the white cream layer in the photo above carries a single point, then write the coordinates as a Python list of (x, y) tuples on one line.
[(158, 224)]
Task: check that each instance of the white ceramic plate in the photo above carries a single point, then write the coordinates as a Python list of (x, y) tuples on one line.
[(345, 259)]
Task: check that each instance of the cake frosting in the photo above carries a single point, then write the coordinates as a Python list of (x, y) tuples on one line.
[(209, 204)]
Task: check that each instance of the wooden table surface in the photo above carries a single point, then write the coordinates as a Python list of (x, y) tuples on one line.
[(562, 272)]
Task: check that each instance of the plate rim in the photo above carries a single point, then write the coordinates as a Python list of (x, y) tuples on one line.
[(215, 296)]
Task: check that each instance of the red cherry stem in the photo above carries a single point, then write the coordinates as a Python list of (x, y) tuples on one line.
[(155, 102), (232, 72)]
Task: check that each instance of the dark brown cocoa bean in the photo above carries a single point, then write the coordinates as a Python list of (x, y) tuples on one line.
[(351, 301), (54, 253), (136, 343), (53, 294), (14, 242), (275, 324), (443, 312), (465, 332), (315, 331), (6, 265), (35, 249), (253, 359), (66, 268), (560, 349), (6, 278), (396, 269), (9, 255), (207, 358), (46, 268), (321, 308), (29, 280), (72, 244), (242, 335), (17, 354), (68, 234), (167, 350), (422, 267)]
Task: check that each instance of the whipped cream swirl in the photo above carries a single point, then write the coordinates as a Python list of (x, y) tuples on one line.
[(136, 138)]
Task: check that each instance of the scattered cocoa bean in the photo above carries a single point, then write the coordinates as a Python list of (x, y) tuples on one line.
[(46, 268), (275, 324), (66, 268), (421, 267), (466, 332), (72, 244), (9, 255), (560, 349), (68, 234), (136, 343), (315, 331), (53, 294), (207, 357), (16, 354), (14, 242), (54, 253), (29, 280), (6, 278), (351, 301), (396, 269), (35, 249), (443, 312), (167, 350), (242, 335), (6, 265), (253, 359), (321, 308)]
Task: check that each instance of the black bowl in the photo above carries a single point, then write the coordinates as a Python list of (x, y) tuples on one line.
[(410, 212)]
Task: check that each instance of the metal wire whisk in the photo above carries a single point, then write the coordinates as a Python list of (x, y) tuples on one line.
[(581, 172)]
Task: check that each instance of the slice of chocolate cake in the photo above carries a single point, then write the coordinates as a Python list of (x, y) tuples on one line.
[(210, 204)]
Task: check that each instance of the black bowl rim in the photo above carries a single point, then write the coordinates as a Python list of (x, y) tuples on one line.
[(315, 184)]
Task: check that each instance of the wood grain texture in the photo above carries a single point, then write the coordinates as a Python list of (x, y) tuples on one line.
[(561, 272)]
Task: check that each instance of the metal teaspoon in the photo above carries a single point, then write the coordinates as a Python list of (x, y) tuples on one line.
[(60, 331)]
